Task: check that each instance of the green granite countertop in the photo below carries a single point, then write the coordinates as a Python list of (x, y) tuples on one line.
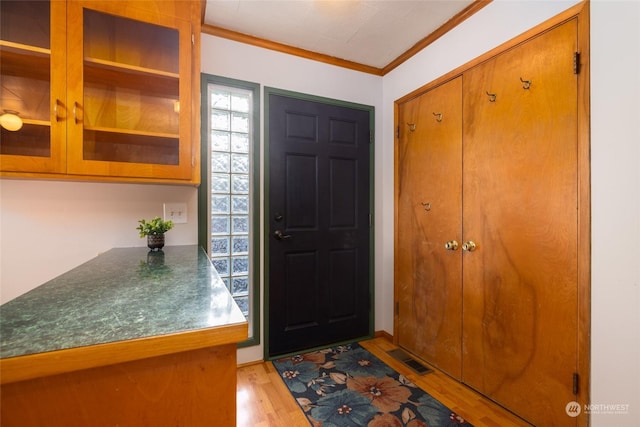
[(122, 294)]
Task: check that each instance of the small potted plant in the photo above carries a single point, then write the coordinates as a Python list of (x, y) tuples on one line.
[(154, 230)]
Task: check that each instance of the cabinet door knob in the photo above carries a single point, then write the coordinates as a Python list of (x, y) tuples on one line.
[(469, 246), (76, 107), (451, 245), (57, 104)]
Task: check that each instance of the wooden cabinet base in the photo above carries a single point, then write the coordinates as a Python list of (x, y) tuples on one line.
[(191, 388)]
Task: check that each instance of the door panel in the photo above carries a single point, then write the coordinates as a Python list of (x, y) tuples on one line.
[(520, 208), (319, 203), (303, 311), (343, 191), (428, 277), (301, 173)]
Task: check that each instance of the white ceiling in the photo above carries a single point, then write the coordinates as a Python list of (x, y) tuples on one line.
[(369, 32)]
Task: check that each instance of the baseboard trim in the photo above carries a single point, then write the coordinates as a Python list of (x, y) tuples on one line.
[(384, 334)]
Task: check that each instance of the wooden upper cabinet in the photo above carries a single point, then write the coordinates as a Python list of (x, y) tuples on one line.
[(129, 92), (32, 66), (122, 92)]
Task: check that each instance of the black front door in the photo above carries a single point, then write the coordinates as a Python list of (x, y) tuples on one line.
[(319, 233)]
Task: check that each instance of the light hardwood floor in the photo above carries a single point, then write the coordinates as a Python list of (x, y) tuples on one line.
[(264, 401)]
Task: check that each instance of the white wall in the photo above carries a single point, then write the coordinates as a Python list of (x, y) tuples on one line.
[(49, 227), (268, 68), (615, 192)]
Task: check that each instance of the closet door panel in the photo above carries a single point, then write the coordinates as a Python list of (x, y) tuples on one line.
[(428, 276), (520, 208)]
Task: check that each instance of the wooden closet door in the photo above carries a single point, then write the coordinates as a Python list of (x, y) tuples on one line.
[(520, 208), (429, 202)]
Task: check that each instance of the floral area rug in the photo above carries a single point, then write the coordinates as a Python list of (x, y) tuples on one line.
[(346, 386)]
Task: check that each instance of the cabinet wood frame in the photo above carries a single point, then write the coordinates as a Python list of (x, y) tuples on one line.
[(66, 161)]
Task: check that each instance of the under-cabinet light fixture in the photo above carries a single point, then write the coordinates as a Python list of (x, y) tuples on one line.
[(10, 120)]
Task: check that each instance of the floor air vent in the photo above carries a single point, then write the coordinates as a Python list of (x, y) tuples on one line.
[(409, 361)]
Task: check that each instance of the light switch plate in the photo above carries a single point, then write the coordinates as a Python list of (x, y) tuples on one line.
[(176, 212)]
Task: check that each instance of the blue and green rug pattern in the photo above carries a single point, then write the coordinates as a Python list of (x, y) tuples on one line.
[(346, 386)]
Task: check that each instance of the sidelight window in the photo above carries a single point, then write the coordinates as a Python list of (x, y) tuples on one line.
[(229, 188)]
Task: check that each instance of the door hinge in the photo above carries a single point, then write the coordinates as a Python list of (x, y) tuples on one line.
[(576, 383), (576, 62), (370, 138), (370, 220), (398, 132), (193, 39), (397, 308)]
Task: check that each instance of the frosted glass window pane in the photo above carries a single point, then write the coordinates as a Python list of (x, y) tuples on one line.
[(240, 204), (220, 162), (220, 183), (240, 224), (239, 163), (220, 120), (240, 122), (243, 304), (240, 103), (239, 285), (220, 225), (240, 184), (239, 265), (220, 140), (221, 265), (239, 142), (220, 99), (230, 132), (240, 245), (219, 204), (219, 246)]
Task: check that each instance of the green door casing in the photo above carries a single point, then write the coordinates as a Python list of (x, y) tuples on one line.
[(318, 227)]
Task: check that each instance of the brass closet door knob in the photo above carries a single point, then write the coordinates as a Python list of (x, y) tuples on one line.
[(469, 246), (451, 245)]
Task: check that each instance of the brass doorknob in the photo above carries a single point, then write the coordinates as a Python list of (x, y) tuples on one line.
[(451, 245), (469, 246)]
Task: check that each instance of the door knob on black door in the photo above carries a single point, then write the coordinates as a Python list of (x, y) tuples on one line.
[(279, 235)]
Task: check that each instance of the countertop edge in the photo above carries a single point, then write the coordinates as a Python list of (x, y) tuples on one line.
[(38, 365)]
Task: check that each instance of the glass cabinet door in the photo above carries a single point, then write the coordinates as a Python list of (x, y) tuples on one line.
[(130, 94), (32, 99)]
